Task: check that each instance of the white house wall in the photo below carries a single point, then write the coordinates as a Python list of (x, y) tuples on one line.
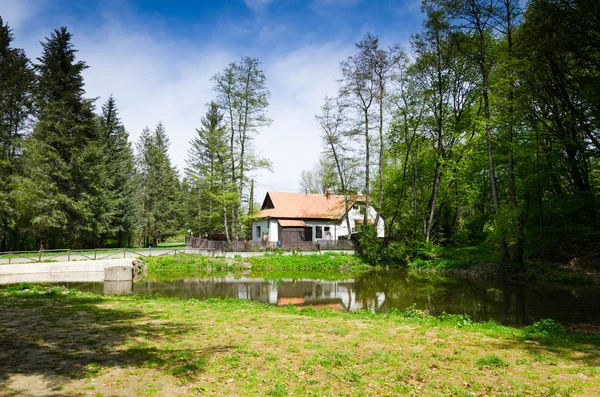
[(342, 228), (273, 230), (332, 231), (336, 230)]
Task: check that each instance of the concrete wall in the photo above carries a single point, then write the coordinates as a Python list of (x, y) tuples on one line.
[(58, 271)]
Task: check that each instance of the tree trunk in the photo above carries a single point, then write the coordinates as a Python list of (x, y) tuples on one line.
[(503, 246), (433, 201), (367, 170), (381, 154), (519, 234)]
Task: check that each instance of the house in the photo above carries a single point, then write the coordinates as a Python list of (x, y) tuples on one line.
[(297, 219)]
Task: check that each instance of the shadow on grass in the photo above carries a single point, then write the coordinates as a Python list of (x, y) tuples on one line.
[(61, 338)]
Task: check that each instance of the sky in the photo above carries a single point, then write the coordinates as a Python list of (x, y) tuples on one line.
[(157, 57)]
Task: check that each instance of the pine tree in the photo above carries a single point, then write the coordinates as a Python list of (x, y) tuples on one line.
[(207, 172), (159, 190), (119, 165), (16, 108), (63, 167)]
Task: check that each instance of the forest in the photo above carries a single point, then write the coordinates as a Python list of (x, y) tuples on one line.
[(484, 131)]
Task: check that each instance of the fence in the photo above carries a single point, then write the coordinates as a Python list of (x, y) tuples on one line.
[(13, 257), (194, 245), (247, 246)]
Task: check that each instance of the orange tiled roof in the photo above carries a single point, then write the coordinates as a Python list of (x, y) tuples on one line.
[(291, 223), (304, 206)]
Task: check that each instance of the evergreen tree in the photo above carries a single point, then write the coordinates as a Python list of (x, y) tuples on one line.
[(159, 190), (207, 171), (119, 165), (16, 108), (62, 162)]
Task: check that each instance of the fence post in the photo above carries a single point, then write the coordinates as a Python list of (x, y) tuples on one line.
[(9, 255), (68, 255), (123, 253), (39, 255), (94, 253), (175, 253)]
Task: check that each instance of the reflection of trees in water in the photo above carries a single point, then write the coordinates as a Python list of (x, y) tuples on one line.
[(380, 291), (437, 294)]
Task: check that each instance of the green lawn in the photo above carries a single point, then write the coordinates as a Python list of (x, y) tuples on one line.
[(63, 343)]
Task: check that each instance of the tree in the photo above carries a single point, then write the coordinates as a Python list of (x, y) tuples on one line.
[(62, 158), (474, 19), (208, 173), (359, 90), (16, 109), (159, 191), (323, 176), (243, 96), (447, 81), (119, 167), (333, 124)]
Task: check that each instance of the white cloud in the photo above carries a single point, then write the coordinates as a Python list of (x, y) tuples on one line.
[(299, 82), (154, 78), (16, 12)]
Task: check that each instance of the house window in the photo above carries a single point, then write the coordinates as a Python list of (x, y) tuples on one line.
[(319, 231), (258, 231), (326, 229)]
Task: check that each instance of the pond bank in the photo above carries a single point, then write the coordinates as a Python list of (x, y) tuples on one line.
[(69, 343)]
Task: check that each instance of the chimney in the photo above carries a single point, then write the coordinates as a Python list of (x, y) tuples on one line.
[(328, 194)]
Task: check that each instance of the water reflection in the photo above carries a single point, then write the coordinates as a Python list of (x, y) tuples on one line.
[(516, 304)]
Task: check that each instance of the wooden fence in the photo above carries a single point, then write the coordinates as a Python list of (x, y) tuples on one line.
[(248, 246)]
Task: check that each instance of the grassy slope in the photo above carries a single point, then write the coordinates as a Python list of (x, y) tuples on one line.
[(58, 343), (484, 261)]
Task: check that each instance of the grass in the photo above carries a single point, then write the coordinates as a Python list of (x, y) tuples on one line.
[(484, 260), (332, 266), (189, 265), (79, 342), (325, 261)]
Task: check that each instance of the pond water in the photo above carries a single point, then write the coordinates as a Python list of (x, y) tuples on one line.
[(380, 291)]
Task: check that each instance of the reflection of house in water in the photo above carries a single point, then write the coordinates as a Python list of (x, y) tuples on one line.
[(338, 295)]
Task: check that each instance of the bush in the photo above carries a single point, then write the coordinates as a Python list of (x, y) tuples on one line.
[(543, 329)]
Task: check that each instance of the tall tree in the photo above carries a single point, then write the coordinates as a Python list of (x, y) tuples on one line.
[(474, 19), (334, 125), (243, 96), (119, 167), (359, 90), (62, 157), (208, 173), (16, 108), (159, 190)]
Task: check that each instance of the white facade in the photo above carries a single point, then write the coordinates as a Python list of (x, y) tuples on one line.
[(330, 230)]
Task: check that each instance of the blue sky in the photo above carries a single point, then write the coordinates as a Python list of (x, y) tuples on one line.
[(156, 57)]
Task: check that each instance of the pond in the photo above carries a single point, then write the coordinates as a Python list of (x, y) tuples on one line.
[(380, 291)]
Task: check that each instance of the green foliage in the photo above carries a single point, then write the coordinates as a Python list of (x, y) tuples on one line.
[(544, 329), (158, 199), (210, 191)]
